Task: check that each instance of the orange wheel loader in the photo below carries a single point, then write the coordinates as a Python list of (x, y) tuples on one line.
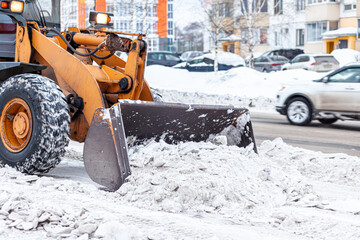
[(70, 84)]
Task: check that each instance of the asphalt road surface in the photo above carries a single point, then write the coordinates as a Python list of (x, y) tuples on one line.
[(339, 137)]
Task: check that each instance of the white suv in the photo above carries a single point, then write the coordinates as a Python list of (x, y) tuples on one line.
[(335, 96), (314, 62)]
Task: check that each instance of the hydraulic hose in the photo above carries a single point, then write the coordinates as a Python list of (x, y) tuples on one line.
[(77, 52)]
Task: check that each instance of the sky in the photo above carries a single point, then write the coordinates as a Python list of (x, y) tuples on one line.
[(187, 11)]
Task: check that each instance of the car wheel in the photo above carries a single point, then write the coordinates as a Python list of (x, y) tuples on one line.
[(328, 120), (299, 111), (264, 70), (284, 69)]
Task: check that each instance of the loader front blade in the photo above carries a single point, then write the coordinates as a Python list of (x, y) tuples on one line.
[(182, 122), (105, 150)]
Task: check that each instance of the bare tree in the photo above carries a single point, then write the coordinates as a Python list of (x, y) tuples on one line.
[(219, 14), (251, 15), (191, 37)]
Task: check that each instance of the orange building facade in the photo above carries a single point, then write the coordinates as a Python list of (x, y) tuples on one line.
[(158, 24)]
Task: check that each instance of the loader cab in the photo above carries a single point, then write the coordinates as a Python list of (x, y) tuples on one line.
[(7, 37), (44, 12)]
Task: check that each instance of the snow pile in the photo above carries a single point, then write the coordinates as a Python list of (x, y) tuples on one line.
[(345, 56), (32, 203), (262, 104), (238, 86), (203, 177), (226, 58), (240, 81), (275, 190)]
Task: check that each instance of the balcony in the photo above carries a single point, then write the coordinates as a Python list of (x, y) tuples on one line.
[(322, 11)]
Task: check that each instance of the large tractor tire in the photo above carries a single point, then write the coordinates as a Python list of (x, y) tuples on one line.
[(34, 123)]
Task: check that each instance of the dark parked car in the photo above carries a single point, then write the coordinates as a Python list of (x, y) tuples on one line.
[(288, 53), (162, 58), (188, 56), (268, 64), (205, 63)]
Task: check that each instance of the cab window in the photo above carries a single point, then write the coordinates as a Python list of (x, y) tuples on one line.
[(350, 75)]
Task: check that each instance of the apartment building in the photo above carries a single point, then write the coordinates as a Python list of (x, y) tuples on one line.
[(287, 24), (316, 26), (152, 17), (237, 26), (341, 21)]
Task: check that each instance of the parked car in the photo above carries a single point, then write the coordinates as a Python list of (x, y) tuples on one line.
[(314, 62), (288, 53), (188, 56), (268, 64), (205, 63), (162, 58), (335, 96)]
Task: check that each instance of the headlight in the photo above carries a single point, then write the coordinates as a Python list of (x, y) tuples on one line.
[(99, 18), (102, 18), (12, 6), (17, 6)]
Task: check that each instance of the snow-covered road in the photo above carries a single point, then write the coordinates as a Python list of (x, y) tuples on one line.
[(194, 190)]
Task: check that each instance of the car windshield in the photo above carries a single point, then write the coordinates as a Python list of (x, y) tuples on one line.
[(40, 10), (185, 55), (171, 57)]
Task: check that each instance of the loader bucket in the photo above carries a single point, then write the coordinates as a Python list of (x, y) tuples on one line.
[(176, 122), (105, 150)]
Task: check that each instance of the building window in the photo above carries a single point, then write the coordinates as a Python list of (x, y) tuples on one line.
[(358, 28), (170, 11), (309, 2), (278, 6), (139, 27), (259, 6), (170, 28), (300, 5), (245, 35), (149, 11), (153, 44), (259, 36), (333, 25), (223, 9), (300, 37), (349, 7), (314, 31), (155, 10), (263, 36), (170, 44)]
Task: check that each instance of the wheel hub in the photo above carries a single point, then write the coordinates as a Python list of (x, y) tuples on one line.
[(16, 125), (21, 125), (298, 111)]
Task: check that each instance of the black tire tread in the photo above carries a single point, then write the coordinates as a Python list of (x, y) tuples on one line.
[(55, 119)]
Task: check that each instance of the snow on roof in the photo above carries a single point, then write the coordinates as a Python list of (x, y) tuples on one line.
[(346, 55), (341, 32), (226, 58)]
